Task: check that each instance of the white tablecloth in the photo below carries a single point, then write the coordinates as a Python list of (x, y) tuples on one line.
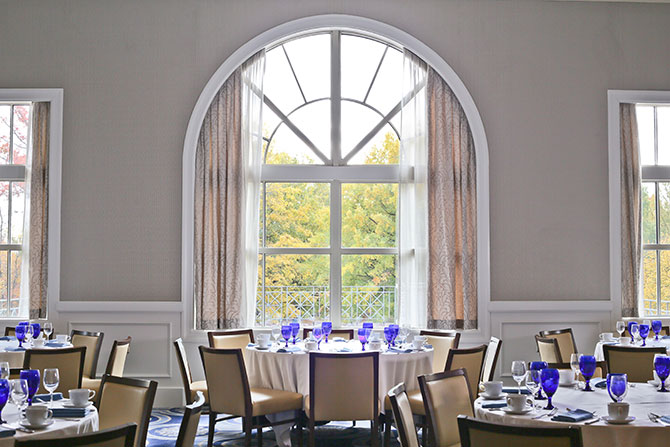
[(290, 372), (643, 398), (61, 426), (600, 356)]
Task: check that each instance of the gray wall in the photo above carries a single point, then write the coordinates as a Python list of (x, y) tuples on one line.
[(132, 71)]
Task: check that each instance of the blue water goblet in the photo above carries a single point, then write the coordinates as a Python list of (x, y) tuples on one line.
[(617, 386), (286, 332), (36, 328), (327, 328), (317, 333), (295, 328), (4, 396), (644, 331), (368, 326), (363, 336), (549, 380), (388, 334), (538, 366), (662, 367), (633, 329), (20, 332), (656, 326), (587, 366), (396, 329), (32, 376)]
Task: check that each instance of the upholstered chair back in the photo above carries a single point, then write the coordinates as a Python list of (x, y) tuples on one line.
[(491, 359), (442, 343), (227, 382), (69, 361), (189, 423), (92, 341), (637, 363), (476, 433), (472, 361), (548, 350), (117, 357), (565, 340), (402, 413)]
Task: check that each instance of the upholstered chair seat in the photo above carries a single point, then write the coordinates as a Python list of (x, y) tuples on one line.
[(267, 401), (200, 385), (415, 402)]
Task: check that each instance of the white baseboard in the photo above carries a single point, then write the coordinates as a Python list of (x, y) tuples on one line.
[(169, 397)]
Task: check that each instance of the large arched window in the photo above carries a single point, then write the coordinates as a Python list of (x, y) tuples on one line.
[(329, 201)]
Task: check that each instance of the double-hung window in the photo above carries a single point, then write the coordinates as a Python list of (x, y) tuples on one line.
[(329, 198)]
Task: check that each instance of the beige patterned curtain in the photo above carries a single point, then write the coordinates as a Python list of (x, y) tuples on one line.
[(631, 212), (37, 188), (452, 211), (227, 185)]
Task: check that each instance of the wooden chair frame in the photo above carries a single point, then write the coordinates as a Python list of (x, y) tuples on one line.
[(29, 353), (190, 411), (350, 332), (212, 334), (112, 353), (150, 385), (249, 422), (609, 348), (98, 345), (456, 335), (475, 350), (311, 422), (402, 434), (184, 368), (126, 430), (466, 422), (557, 352), (546, 334)]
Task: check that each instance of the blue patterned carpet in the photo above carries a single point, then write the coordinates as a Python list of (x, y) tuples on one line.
[(164, 427)]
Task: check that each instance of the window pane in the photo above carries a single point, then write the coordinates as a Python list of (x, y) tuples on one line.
[(357, 122), (314, 121), (20, 141), (381, 149), (665, 282), (664, 212), (645, 130), (310, 58), (296, 286), (386, 91), (360, 58), (649, 282), (15, 287), (18, 209), (369, 214), (648, 213), (663, 117), (5, 111), (298, 214), (4, 212), (286, 148), (368, 288), (279, 84)]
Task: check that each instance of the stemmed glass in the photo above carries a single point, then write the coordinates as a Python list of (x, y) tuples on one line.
[(286, 332), (574, 364), (533, 382), (403, 332), (633, 329), (32, 377), (4, 395), (295, 328), (389, 334), (620, 327), (644, 331), (363, 336), (656, 326), (20, 332), (18, 392), (617, 386), (396, 329), (327, 328), (36, 328), (48, 329), (536, 367), (317, 333), (4, 370), (51, 380), (662, 367), (276, 333), (587, 366), (549, 377), (518, 372)]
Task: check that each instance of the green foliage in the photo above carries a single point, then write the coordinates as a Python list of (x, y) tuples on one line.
[(649, 257)]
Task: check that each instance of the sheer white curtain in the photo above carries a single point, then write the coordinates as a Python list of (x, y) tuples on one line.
[(413, 191)]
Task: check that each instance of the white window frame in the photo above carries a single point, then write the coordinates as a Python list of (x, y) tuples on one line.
[(357, 25), (55, 97)]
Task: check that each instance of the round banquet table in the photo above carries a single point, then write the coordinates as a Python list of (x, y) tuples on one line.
[(15, 358), (60, 428), (290, 372), (651, 343), (642, 397)]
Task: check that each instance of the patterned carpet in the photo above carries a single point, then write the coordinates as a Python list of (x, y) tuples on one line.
[(164, 426)]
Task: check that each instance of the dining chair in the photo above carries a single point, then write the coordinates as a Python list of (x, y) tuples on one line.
[(416, 406), (92, 341), (191, 388), (230, 394), (477, 433), (10, 331), (347, 334), (548, 350), (601, 369), (237, 339), (121, 436), (402, 413), (491, 360), (472, 361), (123, 400), (115, 364), (343, 388), (15, 373), (445, 396), (69, 361), (442, 342), (188, 429), (636, 362), (566, 342)]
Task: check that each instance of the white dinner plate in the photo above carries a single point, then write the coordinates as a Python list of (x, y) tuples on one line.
[(69, 404), (28, 425), (498, 397), (609, 420), (524, 411)]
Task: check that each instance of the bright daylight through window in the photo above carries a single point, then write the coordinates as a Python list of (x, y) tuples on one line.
[(329, 202), (14, 147)]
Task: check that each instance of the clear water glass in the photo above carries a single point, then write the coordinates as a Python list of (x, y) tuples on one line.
[(317, 333), (518, 372), (620, 327), (403, 333), (276, 333), (18, 392), (50, 381), (48, 329), (634, 329), (533, 382), (574, 364), (4, 370)]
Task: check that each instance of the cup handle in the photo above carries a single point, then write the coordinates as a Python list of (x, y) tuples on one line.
[(90, 396), (50, 414)]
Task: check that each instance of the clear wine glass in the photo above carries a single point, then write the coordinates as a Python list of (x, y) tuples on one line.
[(533, 382), (276, 332), (518, 372), (51, 380), (4, 370), (48, 329), (403, 332), (18, 392), (634, 329), (574, 365), (620, 327)]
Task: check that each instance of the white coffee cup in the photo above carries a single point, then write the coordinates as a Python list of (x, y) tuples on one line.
[(263, 340), (311, 345), (606, 336), (493, 388), (38, 342), (62, 338), (375, 345), (81, 396), (618, 411), (38, 414), (518, 402), (566, 377), (624, 341), (417, 344)]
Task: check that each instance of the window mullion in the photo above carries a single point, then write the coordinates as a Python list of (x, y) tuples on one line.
[(335, 99), (658, 252), (336, 253)]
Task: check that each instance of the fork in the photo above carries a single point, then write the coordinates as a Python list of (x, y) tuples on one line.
[(551, 413)]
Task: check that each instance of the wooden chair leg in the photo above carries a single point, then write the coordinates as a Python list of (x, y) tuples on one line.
[(387, 430), (259, 433), (374, 433), (299, 426), (310, 434), (246, 422), (210, 431)]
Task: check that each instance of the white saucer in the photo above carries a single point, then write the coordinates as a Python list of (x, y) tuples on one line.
[(609, 420), (573, 383), (488, 397), (69, 404), (262, 348), (28, 425), (653, 383), (524, 411)]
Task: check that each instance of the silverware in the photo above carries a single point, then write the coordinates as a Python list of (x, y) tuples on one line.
[(551, 413), (592, 422)]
